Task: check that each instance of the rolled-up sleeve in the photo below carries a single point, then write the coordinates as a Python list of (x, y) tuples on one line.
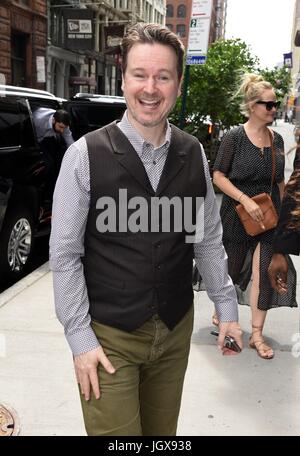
[(70, 210), (211, 257)]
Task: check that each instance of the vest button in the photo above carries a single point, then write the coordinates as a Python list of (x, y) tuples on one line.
[(158, 266), (157, 245)]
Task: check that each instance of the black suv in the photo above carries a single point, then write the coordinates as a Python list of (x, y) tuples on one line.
[(89, 112), (25, 207)]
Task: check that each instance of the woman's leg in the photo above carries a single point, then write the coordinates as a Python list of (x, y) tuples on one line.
[(258, 316)]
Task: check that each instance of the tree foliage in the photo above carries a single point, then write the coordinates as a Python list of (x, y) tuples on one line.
[(211, 95), (213, 85), (281, 80)]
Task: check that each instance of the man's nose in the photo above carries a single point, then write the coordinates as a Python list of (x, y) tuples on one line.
[(150, 85)]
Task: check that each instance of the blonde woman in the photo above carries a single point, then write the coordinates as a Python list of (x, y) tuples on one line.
[(243, 169)]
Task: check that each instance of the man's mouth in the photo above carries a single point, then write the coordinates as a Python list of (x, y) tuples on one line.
[(150, 104)]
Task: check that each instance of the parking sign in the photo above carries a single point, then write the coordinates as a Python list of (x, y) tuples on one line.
[(199, 32)]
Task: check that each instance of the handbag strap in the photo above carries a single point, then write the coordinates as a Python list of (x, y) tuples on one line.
[(273, 160)]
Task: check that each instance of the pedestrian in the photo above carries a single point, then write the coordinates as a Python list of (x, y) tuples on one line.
[(52, 124), (243, 169), (287, 235), (124, 292), (290, 116), (54, 137)]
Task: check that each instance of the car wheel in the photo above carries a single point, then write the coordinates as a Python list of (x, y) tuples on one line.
[(16, 243)]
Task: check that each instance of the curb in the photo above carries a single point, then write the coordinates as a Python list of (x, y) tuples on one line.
[(24, 283)]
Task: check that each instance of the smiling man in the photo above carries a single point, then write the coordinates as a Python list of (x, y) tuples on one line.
[(124, 295)]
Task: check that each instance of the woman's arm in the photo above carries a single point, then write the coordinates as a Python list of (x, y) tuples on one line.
[(224, 184)]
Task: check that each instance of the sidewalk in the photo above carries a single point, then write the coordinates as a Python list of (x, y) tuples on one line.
[(242, 395)]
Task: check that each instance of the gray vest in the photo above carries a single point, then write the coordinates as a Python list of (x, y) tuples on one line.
[(132, 275)]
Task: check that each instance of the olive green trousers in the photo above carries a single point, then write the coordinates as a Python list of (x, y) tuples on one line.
[(143, 396)]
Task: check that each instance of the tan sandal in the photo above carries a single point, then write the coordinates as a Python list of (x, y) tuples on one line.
[(215, 320), (258, 343)]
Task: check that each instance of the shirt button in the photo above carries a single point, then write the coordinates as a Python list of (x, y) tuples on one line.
[(154, 162)]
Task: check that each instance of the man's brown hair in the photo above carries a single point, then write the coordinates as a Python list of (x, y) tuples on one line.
[(151, 34)]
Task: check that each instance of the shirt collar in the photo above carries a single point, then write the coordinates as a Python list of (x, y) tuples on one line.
[(136, 140)]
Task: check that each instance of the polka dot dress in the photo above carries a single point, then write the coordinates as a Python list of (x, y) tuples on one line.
[(249, 168)]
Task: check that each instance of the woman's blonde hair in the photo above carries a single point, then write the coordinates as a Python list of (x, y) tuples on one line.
[(250, 90)]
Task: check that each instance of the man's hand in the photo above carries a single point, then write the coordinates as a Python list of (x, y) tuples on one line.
[(86, 371), (229, 329), (278, 270)]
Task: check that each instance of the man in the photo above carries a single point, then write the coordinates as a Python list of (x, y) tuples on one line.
[(125, 295), (54, 137), (52, 124)]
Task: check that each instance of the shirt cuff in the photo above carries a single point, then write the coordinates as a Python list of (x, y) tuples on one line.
[(82, 341)]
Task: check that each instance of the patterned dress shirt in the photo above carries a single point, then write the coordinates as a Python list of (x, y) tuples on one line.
[(70, 211)]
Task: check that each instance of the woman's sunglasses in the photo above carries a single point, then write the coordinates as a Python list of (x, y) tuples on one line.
[(269, 104)]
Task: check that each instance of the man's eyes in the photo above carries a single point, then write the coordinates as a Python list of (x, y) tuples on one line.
[(158, 78)]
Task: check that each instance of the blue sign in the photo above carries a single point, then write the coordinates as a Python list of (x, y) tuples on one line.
[(195, 59), (288, 60)]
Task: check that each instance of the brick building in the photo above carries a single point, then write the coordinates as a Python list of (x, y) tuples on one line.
[(23, 40)]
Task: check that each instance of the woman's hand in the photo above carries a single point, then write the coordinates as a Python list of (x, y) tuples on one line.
[(253, 209)]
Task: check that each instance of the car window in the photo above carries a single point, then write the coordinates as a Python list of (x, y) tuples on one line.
[(27, 133), (10, 131), (88, 117)]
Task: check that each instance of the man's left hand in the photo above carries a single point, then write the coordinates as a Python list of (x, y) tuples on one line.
[(232, 329)]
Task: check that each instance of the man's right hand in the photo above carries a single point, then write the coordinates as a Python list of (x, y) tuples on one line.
[(86, 371)]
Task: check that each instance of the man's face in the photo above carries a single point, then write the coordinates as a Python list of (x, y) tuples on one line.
[(59, 127), (150, 84)]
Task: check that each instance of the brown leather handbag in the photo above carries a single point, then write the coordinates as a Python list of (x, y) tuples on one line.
[(264, 200)]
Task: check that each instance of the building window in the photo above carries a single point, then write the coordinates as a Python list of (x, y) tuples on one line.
[(181, 11), (181, 30), (18, 58), (170, 11), (170, 26)]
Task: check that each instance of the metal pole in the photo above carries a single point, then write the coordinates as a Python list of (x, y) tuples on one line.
[(184, 95)]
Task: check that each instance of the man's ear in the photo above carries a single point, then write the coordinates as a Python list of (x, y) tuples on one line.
[(122, 86), (180, 87)]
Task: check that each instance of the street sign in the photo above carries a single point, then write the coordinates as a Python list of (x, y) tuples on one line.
[(201, 8), (199, 32), (195, 60)]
